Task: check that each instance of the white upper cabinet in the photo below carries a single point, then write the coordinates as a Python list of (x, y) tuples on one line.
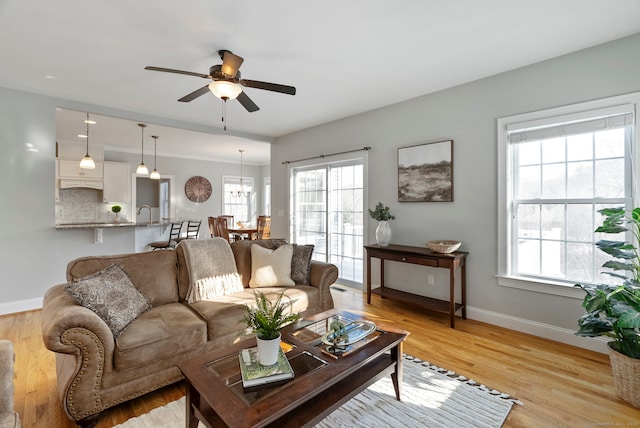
[(71, 169), (117, 187)]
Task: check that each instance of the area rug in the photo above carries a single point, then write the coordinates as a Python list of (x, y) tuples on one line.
[(431, 397)]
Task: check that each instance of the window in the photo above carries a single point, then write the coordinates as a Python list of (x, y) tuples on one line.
[(266, 198), (557, 169), (237, 199)]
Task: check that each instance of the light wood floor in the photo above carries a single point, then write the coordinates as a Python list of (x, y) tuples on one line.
[(560, 385)]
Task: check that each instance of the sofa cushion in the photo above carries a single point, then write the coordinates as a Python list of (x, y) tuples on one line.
[(153, 273), (242, 254), (301, 263), (111, 295), (271, 268), (224, 314), (158, 334)]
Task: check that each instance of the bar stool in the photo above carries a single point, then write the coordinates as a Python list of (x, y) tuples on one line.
[(174, 234), (193, 230)]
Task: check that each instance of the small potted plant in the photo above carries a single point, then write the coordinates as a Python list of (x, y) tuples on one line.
[(614, 310), (266, 318), (116, 210), (382, 214)]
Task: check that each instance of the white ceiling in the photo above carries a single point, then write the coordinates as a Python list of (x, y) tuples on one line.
[(344, 57)]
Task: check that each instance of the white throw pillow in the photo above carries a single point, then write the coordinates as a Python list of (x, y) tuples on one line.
[(271, 268)]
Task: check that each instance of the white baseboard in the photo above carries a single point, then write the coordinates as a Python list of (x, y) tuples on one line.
[(20, 306), (547, 331)]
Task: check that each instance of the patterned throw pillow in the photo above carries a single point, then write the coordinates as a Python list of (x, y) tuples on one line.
[(271, 268), (111, 295), (301, 263)]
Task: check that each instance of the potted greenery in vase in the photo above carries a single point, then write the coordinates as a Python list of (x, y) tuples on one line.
[(382, 214), (614, 310), (266, 318), (116, 210)]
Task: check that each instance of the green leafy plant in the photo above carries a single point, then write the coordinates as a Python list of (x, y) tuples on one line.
[(381, 213), (614, 310), (267, 317), (116, 208)]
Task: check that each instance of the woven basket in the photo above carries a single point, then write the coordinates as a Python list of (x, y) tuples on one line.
[(626, 376), (443, 246)]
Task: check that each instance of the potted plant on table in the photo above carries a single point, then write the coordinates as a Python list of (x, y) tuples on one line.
[(614, 310), (266, 318), (382, 214)]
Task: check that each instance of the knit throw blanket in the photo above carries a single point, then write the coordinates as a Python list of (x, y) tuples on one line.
[(212, 269)]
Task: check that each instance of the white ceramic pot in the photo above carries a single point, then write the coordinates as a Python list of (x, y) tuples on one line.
[(383, 233), (268, 350)]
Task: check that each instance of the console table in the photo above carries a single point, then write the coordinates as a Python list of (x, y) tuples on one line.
[(425, 257)]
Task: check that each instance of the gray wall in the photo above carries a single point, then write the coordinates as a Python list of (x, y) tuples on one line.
[(467, 114)]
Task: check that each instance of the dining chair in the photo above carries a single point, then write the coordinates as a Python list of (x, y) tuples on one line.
[(213, 231), (220, 227), (264, 227), (231, 224), (193, 230), (171, 243)]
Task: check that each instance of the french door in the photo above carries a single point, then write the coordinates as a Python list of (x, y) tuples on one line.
[(327, 206)]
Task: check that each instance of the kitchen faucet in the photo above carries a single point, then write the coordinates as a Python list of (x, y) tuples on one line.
[(147, 207)]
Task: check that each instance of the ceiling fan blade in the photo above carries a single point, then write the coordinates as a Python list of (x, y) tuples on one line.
[(231, 63), (195, 94), (247, 102), (284, 89), (171, 70)]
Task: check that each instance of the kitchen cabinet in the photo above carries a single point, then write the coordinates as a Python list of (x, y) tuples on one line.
[(66, 183), (117, 187), (71, 169)]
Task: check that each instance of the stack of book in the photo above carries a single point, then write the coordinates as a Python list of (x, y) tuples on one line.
[(255, 375)]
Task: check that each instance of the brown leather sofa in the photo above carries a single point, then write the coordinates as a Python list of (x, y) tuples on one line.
[(96, 370), (9, 418)]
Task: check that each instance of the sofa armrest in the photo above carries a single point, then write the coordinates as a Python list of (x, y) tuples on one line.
[(322, 276), (84, 346), (7, 358)]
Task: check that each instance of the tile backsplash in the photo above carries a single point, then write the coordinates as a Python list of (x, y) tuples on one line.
[(79, 205)]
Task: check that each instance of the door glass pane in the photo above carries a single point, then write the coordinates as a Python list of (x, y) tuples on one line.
[(329, 214)]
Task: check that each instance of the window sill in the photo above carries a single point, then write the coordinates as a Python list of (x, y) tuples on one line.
[(546, 287)]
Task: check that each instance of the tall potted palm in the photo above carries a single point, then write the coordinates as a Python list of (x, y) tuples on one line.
[(614, 310)]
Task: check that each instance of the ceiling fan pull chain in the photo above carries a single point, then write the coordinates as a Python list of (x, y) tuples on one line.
[(224, 113)]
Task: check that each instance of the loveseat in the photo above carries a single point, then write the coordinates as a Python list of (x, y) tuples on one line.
[(99, 367)]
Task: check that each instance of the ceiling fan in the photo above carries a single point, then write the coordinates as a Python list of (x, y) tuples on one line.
[(227, 82)]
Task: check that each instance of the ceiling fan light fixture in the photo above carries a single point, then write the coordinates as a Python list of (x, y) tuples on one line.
[(225, 90), (86, 162)]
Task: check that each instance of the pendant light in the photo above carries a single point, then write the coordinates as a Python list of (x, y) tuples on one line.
[(240, 192), (155, 175), (86, 162), (142, 168)]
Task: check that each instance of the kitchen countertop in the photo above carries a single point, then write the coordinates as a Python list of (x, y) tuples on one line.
[(80, 225)]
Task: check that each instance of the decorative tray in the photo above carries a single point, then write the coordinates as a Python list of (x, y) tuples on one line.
[(355, 331)]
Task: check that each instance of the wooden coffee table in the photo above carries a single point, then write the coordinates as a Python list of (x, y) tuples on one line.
[(214, 387)]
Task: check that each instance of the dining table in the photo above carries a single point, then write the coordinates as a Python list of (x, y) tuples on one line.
[(247, 232)]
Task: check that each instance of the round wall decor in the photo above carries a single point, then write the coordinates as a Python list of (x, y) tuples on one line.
[(197, 189)]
